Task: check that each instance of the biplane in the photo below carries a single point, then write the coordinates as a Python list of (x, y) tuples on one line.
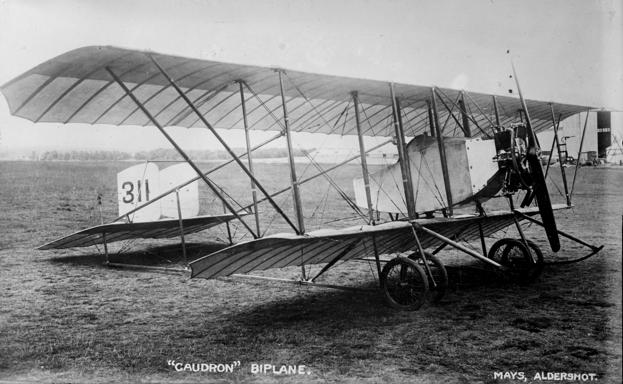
[(456, 149)]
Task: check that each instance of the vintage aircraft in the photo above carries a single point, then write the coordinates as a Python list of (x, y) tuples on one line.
[(464, 149)]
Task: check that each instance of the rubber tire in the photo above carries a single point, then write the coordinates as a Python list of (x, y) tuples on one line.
[(404, 264), (439, 272), (501, 250)]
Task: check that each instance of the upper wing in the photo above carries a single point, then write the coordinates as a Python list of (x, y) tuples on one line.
[(76, 88)]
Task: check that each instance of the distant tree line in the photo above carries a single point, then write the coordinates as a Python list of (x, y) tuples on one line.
[(82, 155), (155, 154)]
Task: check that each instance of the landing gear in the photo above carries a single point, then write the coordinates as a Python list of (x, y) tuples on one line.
[(437, 288), (524, 264), (404, 284)]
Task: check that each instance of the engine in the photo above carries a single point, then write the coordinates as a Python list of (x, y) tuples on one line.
[(511, 145)]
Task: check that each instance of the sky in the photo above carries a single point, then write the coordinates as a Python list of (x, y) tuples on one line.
[(569, 51)]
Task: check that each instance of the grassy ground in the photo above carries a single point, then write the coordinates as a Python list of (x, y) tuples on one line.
[(66, 318)]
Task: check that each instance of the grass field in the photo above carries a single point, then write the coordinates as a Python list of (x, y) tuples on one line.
[(64, 317)]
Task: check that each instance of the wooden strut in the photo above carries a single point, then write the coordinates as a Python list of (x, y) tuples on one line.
[(455, 236), (227, 148), (364, 161), (442, 153), (403, 156), (524, 241), (459, 246), (107, 260), (179, 215), (562, 168), (366, 176), (577, 160), (293, 179), (99, 203), (561, 233), (422, 255), (551, 150), (208, 182), (294, 182), (249, 158), (337, 258), (465, 117), (431, 121), (497, 114), (229, 237), (482, 238)]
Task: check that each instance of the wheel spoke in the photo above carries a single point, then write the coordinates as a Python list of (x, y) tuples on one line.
[(404, 284)]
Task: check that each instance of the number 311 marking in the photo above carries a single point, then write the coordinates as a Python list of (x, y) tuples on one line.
[(129, 187)]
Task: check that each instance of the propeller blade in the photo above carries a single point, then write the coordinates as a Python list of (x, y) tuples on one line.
[(539, 186), (544, 202), (527, 199)]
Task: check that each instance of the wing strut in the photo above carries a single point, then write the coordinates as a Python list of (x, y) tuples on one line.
[(577, 160), (224, 144), (464, 116), (295, 187), (364, 162), (562, 169), (498, 125), (366, 176), (250, 159), (403, 157), (442, 152), (431, 121), (208, 182), (457, 245)]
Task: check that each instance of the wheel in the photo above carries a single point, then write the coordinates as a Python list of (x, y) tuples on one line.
[(513, 254), (404, 284), (438, 289)]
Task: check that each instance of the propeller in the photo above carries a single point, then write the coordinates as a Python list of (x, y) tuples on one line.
[(539, 186)]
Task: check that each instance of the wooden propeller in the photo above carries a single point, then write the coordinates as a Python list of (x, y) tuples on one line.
[(539, 186)]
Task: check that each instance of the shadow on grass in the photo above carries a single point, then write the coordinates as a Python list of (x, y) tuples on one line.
[(515, 327), (155, 256)]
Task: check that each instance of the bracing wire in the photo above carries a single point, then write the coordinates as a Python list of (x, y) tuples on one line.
[(439, 197), (339, 190), (381, 189)]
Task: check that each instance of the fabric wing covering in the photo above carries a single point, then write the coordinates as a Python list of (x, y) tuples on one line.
[(323, 246), (75, 87), (159, 229)]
